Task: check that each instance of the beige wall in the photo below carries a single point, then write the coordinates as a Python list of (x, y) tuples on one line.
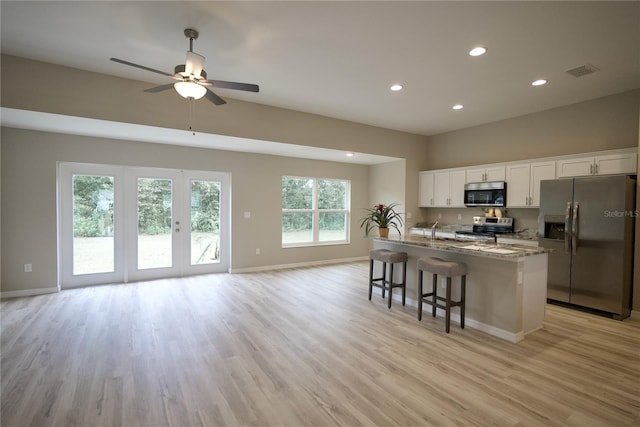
[(29, 161), (387, 185), (601, 124)]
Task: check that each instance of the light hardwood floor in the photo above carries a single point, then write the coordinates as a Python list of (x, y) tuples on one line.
[(300, 347)]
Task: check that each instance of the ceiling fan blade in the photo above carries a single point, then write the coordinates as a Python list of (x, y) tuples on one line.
[(159, 88), (194, 64), (235, 85), (214, 98), (142, 67)]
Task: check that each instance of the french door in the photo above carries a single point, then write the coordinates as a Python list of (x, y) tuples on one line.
[(120, 224)]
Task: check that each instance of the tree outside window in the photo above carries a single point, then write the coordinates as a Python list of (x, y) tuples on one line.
[(314, 211)]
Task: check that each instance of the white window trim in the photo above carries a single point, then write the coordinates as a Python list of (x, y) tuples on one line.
[(316, 215)]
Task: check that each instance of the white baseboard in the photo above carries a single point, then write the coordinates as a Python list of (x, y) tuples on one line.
[(513, 337), (635, 314), (297, 265), (28, 292)]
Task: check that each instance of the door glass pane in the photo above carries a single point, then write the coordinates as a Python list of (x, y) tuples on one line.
[(154, 223), (93, 244), (205, 222)]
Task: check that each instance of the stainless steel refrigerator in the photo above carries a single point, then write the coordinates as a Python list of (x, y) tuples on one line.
[(589, 225)]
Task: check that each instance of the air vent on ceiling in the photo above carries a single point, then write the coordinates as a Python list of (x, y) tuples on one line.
[(583, 70)]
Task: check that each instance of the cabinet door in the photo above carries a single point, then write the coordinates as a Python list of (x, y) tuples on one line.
[(425, 197), (496, 173), (581, 166), (441, 189), (616, 163), (539, 171), (457, 179), (518, 185), (475, 175)]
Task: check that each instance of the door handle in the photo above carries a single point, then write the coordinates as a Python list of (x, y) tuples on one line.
[(574, 229), (567, 218)]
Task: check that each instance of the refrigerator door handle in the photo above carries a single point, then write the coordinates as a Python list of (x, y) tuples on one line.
[(574, 229), (567, 219)]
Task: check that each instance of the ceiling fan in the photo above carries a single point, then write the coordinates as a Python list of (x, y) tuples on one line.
[(192, 79)]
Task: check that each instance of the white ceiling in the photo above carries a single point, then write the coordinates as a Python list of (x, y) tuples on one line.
[(338, 59)]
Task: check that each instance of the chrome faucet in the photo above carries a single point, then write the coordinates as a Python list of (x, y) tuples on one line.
[(433, 230)]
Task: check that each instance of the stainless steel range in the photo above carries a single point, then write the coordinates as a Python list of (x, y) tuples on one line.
[(485, 229)]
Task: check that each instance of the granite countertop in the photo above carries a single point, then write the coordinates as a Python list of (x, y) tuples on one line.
[(520, 236), (490, 250)]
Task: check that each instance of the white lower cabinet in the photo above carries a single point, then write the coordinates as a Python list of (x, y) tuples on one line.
[(523, 183)]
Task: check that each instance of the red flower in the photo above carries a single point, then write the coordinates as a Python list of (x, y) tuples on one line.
[(379, 207)]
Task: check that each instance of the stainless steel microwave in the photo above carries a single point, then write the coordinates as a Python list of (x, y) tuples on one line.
[(492, 194)]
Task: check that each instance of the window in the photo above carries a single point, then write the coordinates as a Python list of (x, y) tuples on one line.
[(314, 211)]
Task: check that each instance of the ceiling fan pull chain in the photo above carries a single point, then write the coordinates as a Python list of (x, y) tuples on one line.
[(191, 110)]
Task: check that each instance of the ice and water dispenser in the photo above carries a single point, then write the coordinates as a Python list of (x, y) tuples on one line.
[(554, 227)]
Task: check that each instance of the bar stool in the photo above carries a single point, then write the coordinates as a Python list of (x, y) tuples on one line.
[(449, 269), (388, 257)]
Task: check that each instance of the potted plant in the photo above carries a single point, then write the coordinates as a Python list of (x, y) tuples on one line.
[(382, 216)]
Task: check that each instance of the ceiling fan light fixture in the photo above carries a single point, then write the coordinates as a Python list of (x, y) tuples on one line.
[(190, 90)]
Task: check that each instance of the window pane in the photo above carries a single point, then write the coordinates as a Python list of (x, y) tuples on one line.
[(93, 244), (205, 222), (333, 226), (154, 223), (297, 227), (297, 193), (332, 194)]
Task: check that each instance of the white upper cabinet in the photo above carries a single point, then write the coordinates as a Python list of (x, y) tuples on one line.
[(487, 174), (523, 183), (616, 163), (598, 165), (518, 184), (443, 189), (457, 182), (426, 193), (539, 172)]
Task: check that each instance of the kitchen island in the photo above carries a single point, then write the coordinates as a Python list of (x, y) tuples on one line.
[(506, 284)]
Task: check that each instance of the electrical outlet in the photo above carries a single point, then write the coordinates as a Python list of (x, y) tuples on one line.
[(439, 216), (257, 251), (28, 268), (459, 217), (409, 215), (247, 215)]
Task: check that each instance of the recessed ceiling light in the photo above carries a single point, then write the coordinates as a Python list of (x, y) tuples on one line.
[(477, 51), (458, 107), (349, 154), (396, 87), (539, 82)]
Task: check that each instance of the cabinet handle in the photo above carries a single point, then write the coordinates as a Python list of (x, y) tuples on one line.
[(431, 201), (591, 169), (596, 167)]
